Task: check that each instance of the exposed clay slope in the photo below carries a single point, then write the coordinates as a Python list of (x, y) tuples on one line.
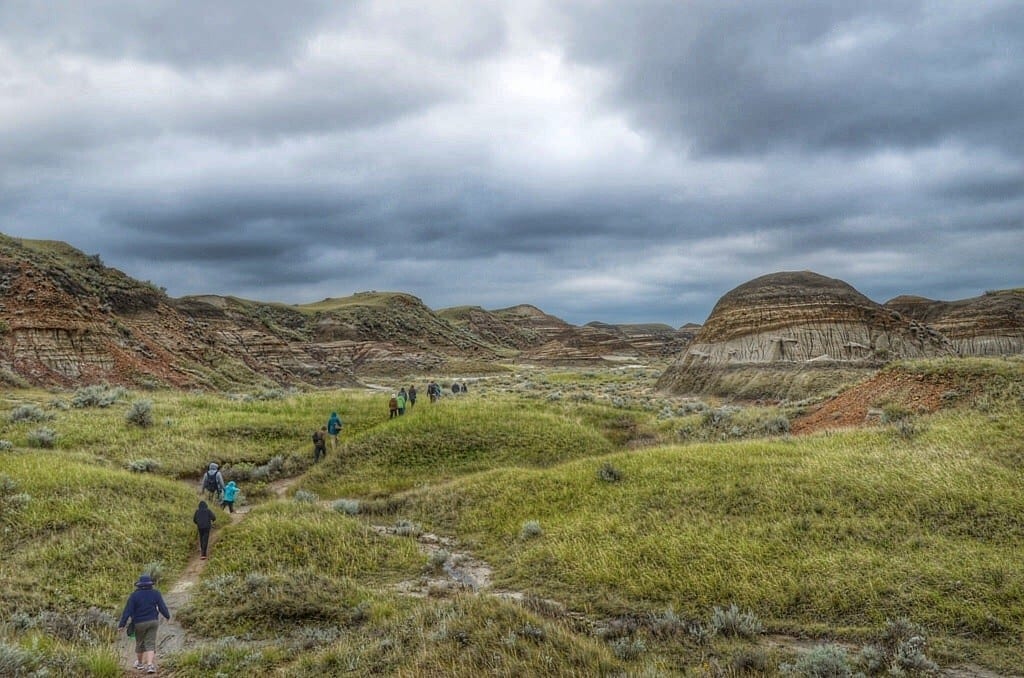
[(798, 318), (992, 324)]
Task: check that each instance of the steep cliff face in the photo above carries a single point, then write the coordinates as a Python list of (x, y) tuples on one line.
[(989, 325), (798, 318)]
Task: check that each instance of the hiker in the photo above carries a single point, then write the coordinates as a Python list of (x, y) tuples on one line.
[(402, 399), (319, 444), (412, 395), (434, 391), (213, 482), (203, 518), (455, 387), (144, 607), (393, 406), (228, 498), (334, 426), (463, 387)]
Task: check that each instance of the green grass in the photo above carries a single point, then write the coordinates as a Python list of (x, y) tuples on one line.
[(453, 437), (845, 530), (85, 532), (826, 536)]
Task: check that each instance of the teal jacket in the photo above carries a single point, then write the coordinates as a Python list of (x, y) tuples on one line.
[(230, 490)]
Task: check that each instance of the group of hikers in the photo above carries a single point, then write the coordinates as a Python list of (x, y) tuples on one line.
[(141, 615)]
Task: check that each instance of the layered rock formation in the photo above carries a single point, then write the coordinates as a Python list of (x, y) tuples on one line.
[(66, 320), (989, 325), (798, 319)]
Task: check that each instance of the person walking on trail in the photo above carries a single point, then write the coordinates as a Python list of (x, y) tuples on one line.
[(433, 391), (144, 607), (393, 406), (333, 429), (228, 498), (319, 444), (213, 482), (412, 395), (203, 518), (402, 399)]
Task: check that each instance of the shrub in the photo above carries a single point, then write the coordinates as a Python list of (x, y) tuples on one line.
[(734, 622), (346, 506), (609, 473), (155, 570), (43, 437), (305, 497), (438, 558), (140, 413), (144, 465), (15, 660), (826, 661), (6, 445), (29, 413), (776, 425), (750, 660), (531, 529), (668, 624), (97, 396), (628, 649), (405, 528)]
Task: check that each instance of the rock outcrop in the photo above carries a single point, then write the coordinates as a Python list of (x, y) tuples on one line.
[(989, 325), (798, 319)]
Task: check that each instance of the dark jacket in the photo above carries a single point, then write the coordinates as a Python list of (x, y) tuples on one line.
[(144, 604), (203, 517)]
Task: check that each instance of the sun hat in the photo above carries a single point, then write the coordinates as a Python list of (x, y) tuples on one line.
[(144, 581)]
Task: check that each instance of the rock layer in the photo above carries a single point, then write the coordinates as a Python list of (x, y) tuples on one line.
[(798, 318), (989, 325)]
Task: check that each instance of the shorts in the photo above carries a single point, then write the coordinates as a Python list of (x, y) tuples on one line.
[(145, 636)]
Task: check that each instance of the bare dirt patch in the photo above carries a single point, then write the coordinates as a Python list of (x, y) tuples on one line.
[(860, 404)]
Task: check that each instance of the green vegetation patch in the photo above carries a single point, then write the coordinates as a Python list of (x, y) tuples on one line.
[(449, 439), (76, 535), (847, 530)]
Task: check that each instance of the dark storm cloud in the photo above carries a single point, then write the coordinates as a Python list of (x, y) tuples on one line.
[(624, 162), (741, 77)]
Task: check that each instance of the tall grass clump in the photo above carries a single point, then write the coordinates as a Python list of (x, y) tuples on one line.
[(732, 621)]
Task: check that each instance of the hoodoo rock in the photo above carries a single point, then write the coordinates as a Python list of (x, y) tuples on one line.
[(799, 320), (989, 325)]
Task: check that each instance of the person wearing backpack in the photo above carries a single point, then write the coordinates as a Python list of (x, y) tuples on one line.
[(393, 406), (319, 444), (203, 518), (401, 398), (228, 498), (213, 482)]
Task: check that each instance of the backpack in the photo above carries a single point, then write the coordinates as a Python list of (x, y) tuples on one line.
[(210, 481), (393, 403)]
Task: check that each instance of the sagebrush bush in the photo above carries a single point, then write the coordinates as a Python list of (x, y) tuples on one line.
[(732, 621), (609, 473), (531, 529), (140, 413), (6, 445), (144, 465), (405, 528), (43, 437), (15, 660), (305, 497), (98, 395), (825, 661), (438, 558), (346, 506), (32, 413), (628, 649)]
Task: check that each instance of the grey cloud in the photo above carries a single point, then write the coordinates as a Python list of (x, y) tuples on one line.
[(740, 77)]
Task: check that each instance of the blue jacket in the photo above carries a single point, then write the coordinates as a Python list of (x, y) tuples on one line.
[(144, 604), (230, 491), (334, 424)]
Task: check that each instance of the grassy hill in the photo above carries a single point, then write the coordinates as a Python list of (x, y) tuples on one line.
[(605, 543)]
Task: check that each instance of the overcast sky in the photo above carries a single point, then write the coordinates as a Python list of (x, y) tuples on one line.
[(615, 161)]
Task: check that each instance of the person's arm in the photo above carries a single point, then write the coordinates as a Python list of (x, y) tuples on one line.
[(125, 614), (162, 606)]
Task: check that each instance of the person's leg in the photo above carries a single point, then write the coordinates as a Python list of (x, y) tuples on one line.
[(204, 541)]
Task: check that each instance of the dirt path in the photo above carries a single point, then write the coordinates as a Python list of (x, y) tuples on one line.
[(171, 637)]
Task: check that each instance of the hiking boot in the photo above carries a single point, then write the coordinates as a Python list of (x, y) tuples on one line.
[(150, 669), (138, 666)]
